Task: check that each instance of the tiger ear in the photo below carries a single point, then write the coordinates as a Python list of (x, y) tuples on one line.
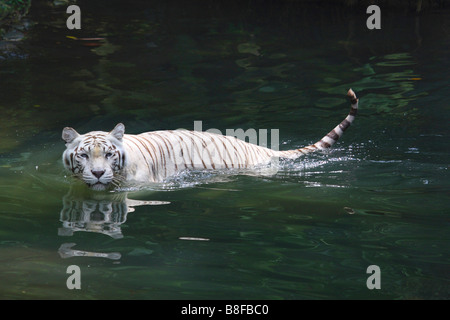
[(69, 134), (118, 131)]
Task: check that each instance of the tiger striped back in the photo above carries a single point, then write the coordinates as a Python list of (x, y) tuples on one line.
[(167, 152)]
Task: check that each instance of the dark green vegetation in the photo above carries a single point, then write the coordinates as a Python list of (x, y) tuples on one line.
[(13, 10)]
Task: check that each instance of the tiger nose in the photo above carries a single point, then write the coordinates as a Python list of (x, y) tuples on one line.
[(98, 173)]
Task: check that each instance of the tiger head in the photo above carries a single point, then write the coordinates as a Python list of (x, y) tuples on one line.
[(97, 157)]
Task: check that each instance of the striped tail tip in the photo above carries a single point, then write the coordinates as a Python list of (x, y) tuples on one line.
[(338, 131), (332, 136), (353, 100)]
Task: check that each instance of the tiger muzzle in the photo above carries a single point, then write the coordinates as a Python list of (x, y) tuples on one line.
[(98, 173)]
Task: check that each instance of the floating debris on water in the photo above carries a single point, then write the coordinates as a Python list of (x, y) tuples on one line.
[(193, 239)]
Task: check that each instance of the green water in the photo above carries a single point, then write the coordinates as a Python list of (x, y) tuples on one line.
[(310, 231)]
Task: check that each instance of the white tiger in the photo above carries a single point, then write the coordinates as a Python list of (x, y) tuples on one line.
[(104, 159)]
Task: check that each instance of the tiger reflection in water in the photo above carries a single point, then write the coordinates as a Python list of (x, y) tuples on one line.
[(95, 212)]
